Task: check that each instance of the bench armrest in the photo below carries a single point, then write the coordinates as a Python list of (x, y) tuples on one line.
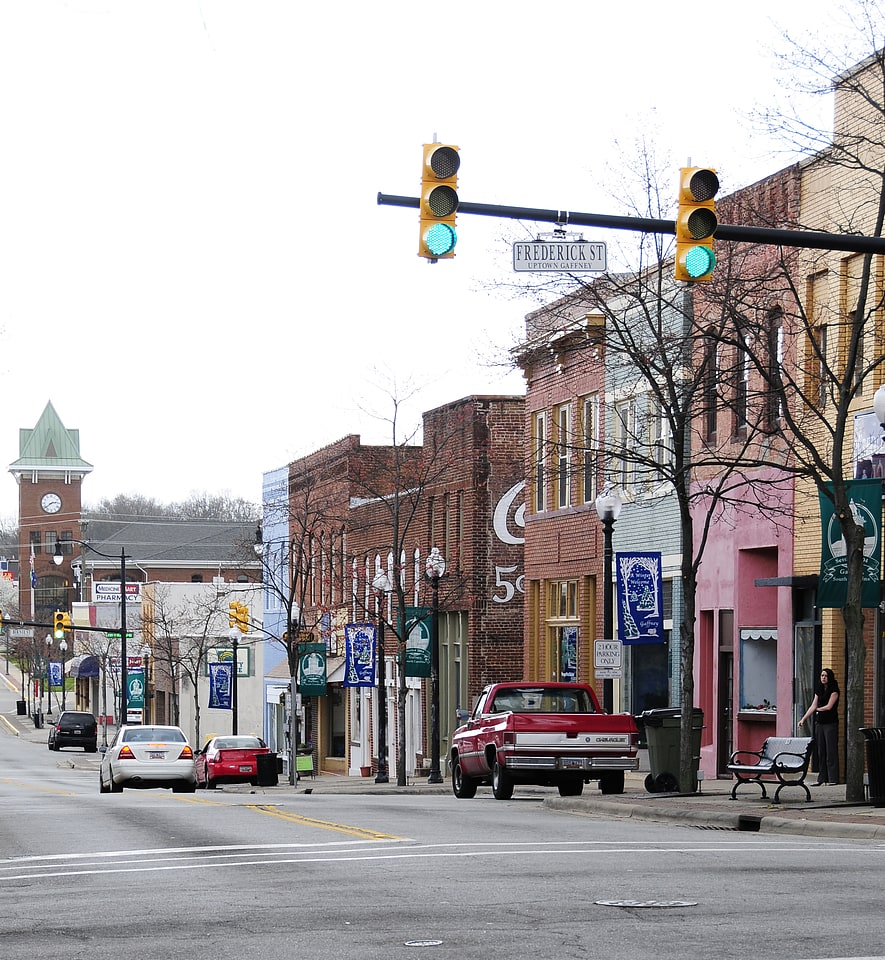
[(744, 753), (801, 757)]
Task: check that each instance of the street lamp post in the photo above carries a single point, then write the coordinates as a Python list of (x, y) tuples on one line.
[(234, 670), (58, 559), (48, 676), (145, 666), (608, 506), (63, 647), (435, 569), (382, 586)]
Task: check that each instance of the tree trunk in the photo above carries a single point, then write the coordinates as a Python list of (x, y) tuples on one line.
[(853, 686)]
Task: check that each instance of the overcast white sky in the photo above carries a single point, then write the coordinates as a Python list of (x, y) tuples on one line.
[(193, 266)]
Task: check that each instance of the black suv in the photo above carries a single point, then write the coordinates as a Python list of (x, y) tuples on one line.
[(74, 729)]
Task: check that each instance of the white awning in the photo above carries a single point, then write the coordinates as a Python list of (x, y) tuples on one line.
[(759, 633)]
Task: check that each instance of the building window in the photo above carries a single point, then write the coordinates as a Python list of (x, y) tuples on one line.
[(563, 629), (65, 542), (742, 383), (624, 442), (758, 690), (50, 539), (563, 455), (661, 444), (711, 386), (775, 392), (816, 343), (35, 541), (539, 456), (590, 439)]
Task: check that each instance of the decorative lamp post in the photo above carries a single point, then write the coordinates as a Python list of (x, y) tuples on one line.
[(145, 665), (234, 635), (58, 559), (435, 568), (879, 406), (608, 506), (48, 677), (382, 586), (63, 647)]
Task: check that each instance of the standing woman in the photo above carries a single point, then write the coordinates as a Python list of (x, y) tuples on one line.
[(824, 706)]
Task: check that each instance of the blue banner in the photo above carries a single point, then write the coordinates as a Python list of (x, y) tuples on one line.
[(56, 677), (640, 593), (220, 686), (359, 655)]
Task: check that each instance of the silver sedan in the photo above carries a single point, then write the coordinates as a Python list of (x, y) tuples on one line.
[(148, 756)]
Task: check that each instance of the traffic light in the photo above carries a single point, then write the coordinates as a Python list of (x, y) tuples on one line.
[(439, 201), (696, 224), (238, 616), (66, 621), (58, 625)]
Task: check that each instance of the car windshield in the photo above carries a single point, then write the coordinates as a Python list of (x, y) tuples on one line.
[(238, 743), (153, 735), (539, 700)]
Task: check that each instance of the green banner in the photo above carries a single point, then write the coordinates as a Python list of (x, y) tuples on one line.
[(135, 683), (865, 499), (312, 669), (418, 641)]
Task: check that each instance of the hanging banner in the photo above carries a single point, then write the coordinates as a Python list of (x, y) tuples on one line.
[(56, 678), (312, 669), (220, 686), (639, 587), (135, 682), (418, 641), (359, 654), (865, 501)]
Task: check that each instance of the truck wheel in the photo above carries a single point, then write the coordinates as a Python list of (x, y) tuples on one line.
[(612, 782), (502, 785), (571, 788), (463, 787)]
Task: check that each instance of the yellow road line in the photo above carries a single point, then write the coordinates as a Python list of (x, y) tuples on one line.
[(36, 786), (351, 831)]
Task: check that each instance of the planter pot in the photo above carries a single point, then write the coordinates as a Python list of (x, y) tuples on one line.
[(365, 771)]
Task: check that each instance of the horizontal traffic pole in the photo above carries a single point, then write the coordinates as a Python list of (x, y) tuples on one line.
[(810, 239)]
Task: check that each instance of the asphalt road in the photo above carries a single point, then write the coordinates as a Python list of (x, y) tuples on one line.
[(149, 874)]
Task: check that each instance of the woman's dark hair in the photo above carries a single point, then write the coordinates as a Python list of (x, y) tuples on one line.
[(832, 683)]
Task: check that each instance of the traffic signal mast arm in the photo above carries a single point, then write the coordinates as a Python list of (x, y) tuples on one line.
[(808, 239)]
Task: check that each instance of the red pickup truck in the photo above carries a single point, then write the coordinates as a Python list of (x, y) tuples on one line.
[(550, 734)]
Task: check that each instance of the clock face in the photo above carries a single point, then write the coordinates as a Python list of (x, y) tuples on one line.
[(51, 503)]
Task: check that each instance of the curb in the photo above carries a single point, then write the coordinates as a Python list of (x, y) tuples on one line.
[(756, 823)]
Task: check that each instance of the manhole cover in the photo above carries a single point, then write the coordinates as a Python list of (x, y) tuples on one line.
[(423, 943), (647, 903)]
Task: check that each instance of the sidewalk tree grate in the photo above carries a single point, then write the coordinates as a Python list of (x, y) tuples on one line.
[(646, 903)]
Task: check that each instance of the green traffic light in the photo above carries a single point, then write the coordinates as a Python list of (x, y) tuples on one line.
[(699, 261), (440, 239)]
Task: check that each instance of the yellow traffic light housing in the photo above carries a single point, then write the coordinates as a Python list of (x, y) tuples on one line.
[(696, 224), (58, 625), (438, 203)]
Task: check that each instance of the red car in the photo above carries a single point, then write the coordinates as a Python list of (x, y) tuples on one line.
[(229, 760)]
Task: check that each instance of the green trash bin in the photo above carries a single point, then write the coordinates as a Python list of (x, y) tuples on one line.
[(662, 735)]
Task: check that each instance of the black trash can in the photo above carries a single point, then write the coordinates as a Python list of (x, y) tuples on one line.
[(875, 738), (38, 719), (267, 770), (21, 708), (662, 734)]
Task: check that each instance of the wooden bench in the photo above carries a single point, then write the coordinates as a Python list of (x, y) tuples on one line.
[(786, 758)]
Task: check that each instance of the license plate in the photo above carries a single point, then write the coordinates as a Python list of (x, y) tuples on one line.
[(78, 730), (573, 762), (245, 769), (156, 755)]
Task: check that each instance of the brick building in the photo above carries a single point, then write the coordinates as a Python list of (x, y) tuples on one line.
[(384, 508)]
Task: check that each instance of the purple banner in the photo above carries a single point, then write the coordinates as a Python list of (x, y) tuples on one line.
[(359, 655), (640, 592)]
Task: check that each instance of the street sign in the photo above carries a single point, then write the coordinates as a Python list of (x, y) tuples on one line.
[(607, 659), (559, 256)]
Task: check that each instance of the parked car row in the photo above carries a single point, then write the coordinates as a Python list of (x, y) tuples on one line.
[(143, 756)]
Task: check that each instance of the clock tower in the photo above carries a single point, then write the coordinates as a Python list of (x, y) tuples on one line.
[(49, 473)]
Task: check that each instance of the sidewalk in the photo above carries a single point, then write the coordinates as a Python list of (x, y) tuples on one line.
[(827, 815)]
